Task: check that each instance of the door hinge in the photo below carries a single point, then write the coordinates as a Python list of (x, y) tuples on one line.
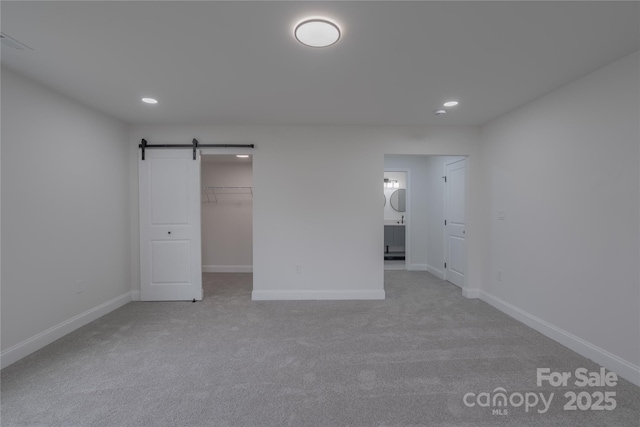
[(445, 265), (445, 222), (445, 179)]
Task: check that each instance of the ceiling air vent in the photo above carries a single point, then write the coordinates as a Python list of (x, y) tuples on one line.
[(12, 43)]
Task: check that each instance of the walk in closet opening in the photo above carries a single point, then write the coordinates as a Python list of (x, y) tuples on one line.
[(227, 213)]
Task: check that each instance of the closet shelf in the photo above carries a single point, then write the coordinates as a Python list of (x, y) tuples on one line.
[(216, 194)]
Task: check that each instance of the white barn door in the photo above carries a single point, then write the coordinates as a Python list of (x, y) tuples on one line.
[(170, 257), (455, 248)]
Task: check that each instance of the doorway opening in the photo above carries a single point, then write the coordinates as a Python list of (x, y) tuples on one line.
[(396, 214), (227, 213), (434, 217)]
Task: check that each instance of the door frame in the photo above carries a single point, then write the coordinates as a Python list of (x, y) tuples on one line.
[(235, 151)]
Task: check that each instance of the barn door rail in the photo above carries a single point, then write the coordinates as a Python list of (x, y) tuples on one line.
[(144, 145)]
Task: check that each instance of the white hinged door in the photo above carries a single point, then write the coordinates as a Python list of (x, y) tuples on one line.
[(455, 247)]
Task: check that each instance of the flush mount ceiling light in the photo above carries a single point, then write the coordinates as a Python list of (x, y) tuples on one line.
[(317, 32), (450, 103), (242, 156), (150, 100)]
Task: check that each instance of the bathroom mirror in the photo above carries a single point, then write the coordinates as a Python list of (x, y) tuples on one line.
[(398, 200)]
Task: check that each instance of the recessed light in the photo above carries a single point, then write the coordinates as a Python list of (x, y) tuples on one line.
[(150, 100), (440, 112), (242, 156), (450, 103), (317, 32)]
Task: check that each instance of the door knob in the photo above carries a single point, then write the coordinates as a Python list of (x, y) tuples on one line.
[(169, 233)]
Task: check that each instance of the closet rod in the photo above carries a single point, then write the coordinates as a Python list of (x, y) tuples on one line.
[(194, 145)]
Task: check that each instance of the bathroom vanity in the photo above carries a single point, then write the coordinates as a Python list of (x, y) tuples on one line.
[(394, 241)]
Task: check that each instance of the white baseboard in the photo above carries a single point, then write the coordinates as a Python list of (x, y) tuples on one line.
[(622, 367), (471, 293), (135, 295), (436, 272), (36, 342), (417, 267), (279, 295), (227, 268)]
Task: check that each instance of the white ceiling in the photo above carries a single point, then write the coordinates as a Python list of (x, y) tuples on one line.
[(238, 63)]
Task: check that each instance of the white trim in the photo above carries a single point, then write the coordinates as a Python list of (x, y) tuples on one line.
[(417, 267), (135, 295), (227, 268), (599, 355), (36, 342), (280, 295), (471, 293), (436, 272)]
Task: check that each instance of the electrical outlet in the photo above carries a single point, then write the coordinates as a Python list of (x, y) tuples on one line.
[(79, 287), (502, 215), (499, 276), (298, 268)]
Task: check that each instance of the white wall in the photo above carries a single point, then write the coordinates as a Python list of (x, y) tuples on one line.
[(227, 225), (301, 217), (65, 215), (565, 171)]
